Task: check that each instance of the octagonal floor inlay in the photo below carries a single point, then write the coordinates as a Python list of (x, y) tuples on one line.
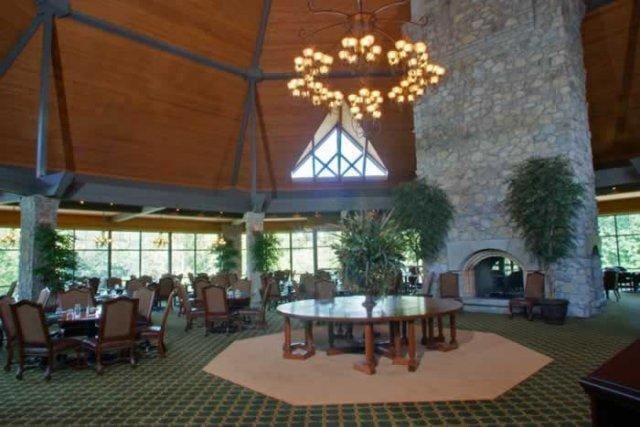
[(485, 366)]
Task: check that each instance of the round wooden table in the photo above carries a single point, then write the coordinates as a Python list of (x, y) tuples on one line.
[(397, 311)]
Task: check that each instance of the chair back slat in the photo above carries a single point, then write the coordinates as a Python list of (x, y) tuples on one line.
[(145, 299), (118, 321), (12, 288), (7, 317), (449, 285), (534, 288), (215, 300), (183, 297), (30, 324), (67, 300), (200, 284)]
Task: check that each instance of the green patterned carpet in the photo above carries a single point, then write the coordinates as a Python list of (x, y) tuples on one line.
[(175, 390)]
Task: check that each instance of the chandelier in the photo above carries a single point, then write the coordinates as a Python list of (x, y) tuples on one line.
[(160, 241), (359, 51), (103, 240)]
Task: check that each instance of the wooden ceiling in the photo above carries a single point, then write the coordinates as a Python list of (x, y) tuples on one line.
[(611, 55), (121, 109)]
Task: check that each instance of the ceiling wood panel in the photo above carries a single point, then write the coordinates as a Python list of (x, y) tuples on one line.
[(224, 30), (15, 17)]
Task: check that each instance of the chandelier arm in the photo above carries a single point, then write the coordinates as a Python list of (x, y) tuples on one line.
[(390, 5), (400, 21), (305, 35), (313, 10), (378, 29)]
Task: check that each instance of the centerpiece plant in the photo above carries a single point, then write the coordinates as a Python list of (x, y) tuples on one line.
[(370, 251)]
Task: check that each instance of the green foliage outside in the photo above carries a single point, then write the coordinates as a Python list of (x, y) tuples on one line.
[(58, 260), (226, 256), (424, 213), (370, 251), (620, 240), (266, 252), (542, 199)]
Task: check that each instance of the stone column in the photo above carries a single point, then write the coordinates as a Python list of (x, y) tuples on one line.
[(254, 223), (34, 212), (233, 233), (514, 89)]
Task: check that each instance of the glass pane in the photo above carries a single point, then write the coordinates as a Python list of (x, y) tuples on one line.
[(93, 263), (182, 262), (125, 264), (628, 224), (606, 225), (351, 171), (327, 259), (125, 240), (608, 252), (302, 239), (629, 250), (330, 171), (155, 241), (87, 239), (206, 241), (328, 148), (350, 149), (9, 260), (205, 262), (283, 240), (305, 170), (328, 238), (302, 261), (155, 263), (373, 170), (10, 238), (181, 241)]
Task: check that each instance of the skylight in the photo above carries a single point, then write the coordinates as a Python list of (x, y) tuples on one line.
[(337, 154)]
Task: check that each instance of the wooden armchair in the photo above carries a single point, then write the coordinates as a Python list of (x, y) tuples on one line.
[(190, 312), (449, 285), (133, 285), (43, 297), (93, 283), (8, 328), (198, 287), (12, 288), (307, 289), (216, 307), (257, 316), (112, 282), (533, 292), (324, 289), (155, 334), (165, 288), (610, 282), (34, 338), (270, 290), (117, 331), (145, 297), (67, 300)]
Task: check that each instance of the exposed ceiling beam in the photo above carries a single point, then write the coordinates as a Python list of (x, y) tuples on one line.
[(635, 162), (61, 98), (594, 4), (157, 44), (22, 42), (43, 102), (130, 215), (9, 198), (249, 99), (265, 145), (617, 177)]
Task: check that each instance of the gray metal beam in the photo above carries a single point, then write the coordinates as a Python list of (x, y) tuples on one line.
[(617, 177), (127, 216), (327, 204), (9, 198), (253, 136), (153, 43), (635, 162), (22, 42), (45, 84)]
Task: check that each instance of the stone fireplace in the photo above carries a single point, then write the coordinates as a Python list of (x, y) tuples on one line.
[(515, 89), (493, 274)]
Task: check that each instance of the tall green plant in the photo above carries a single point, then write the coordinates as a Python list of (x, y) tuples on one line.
[(424, 214), (542, 199), (226, 256), (370, 251), (266, 252), (57, 260)]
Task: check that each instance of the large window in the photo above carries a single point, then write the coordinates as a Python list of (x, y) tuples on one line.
[(93, 253), (302, 254), (125, 254), (9, 257), (327, 259), (620, 240)]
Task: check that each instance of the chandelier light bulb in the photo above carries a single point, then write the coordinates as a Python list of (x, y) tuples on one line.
[(307, 51)]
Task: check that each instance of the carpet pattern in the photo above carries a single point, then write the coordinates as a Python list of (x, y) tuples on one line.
[(482, 368), (176, 391)]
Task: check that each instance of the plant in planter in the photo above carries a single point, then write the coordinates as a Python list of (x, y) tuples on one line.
[(57, 259), (542, 199), (424, 213), (265, 251), (226, 255), (370, 252)]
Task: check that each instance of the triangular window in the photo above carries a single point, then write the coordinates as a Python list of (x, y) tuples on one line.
[(336, 153)]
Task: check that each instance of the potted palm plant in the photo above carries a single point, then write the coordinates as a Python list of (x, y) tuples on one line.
[(266, 252), (226, 255), (370, 252), (542, 199), (57, 261)]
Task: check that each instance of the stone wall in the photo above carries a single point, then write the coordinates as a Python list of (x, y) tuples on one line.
[(515, 89)]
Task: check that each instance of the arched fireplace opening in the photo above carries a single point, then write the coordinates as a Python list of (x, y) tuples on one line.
[(493, 274)]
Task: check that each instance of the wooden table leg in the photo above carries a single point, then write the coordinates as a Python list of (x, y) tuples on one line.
[(308, 338), (452, 327), (331, 334), (412, 364), (286, 347), (440, 337), (298, 351), (368, 366)]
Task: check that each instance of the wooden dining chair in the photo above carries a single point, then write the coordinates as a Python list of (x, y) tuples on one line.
[(165, 288), (34, 338), (8, 328), (155, 334), (189, 312), (132, 285), (325, 289), (533, 293), (216, 308), (243, 285), (200, 284), (307, 286), (449, 285), (68, 299), (145, 297), (12, 288), (257, 316), (112, 282), (43, 297), (117, 331), (93, 283)]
